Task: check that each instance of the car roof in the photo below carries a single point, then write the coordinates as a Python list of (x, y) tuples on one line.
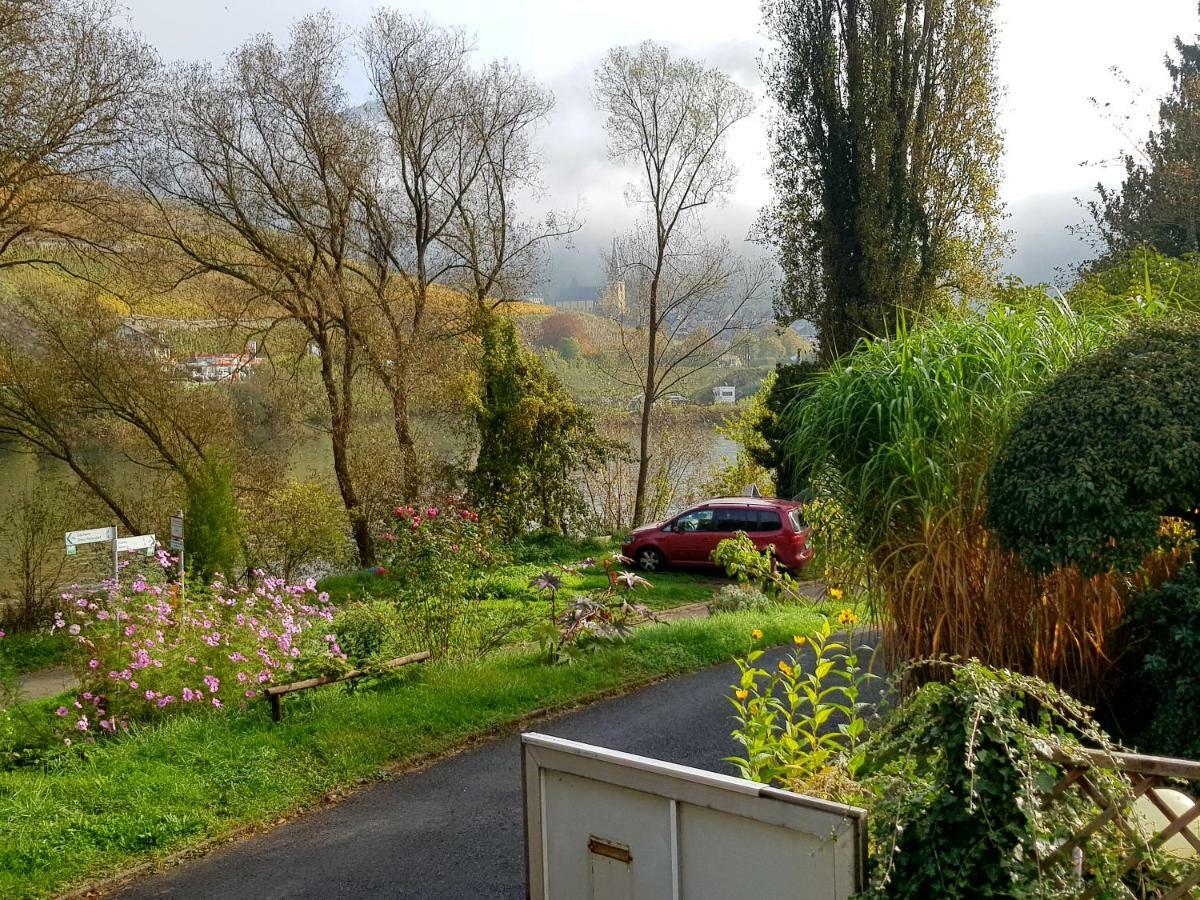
[(764, 502)]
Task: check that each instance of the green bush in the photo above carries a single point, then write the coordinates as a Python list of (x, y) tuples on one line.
[(1102, 454), (957, 785), (1163, 630), (212, 522), (739, 598), (369, 631)]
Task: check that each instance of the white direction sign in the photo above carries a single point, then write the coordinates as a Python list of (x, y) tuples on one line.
[(88, 536), (176, 532), (139, 542)]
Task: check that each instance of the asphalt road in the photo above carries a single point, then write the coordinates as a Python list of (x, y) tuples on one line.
[(453, 830)]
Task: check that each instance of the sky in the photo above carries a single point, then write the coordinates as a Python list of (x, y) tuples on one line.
[(1054, 56)]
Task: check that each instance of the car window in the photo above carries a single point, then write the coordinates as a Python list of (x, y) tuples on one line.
[(736, 518), (768, 520), (697, 520), (797, 520)]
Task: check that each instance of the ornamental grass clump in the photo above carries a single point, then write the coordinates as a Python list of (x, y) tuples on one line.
[(142, 651), (901, 435)]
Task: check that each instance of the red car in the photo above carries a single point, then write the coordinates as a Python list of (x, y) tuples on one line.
[(691, 536)]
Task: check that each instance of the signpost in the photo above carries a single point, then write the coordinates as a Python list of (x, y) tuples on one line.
[(177, 544), (143, 542)]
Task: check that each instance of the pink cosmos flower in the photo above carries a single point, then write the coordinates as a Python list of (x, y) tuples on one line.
[(61, 711)]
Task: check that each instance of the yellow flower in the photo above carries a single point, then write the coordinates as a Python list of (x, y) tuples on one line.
[(847, 617), (799, 640), (741, 695), (756, 634), (836, 593), (785, 668)]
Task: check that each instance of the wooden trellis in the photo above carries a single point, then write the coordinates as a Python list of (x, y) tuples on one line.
[(1146, 775)]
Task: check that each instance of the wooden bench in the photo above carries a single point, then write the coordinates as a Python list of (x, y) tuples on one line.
[(275, 694)]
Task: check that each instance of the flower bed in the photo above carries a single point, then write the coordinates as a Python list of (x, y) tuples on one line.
[(142, 652)]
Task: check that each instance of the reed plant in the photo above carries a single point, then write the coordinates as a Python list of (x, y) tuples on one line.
[(901, 435)]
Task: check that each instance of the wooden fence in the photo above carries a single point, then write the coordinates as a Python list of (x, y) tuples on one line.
[(276, 693), (1149, 812)]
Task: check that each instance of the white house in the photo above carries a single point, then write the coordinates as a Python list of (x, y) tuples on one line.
[(725, 393)]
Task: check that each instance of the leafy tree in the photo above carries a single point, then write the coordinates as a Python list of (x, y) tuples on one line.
[(784, 388), (533, 439), (1107, 449), (1158, 203), (299, 524), (211, 523), (885, 159), (570, 350), (561, 327)]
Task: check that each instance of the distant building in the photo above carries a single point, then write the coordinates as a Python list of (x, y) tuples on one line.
[(585, 306), (204, 368), (146, 342), (725, 393)]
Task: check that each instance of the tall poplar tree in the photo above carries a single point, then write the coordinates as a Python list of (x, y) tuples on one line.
[(885, 159)]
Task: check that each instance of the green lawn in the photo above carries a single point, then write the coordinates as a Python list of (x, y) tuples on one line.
[(29, 651), (165, 787)]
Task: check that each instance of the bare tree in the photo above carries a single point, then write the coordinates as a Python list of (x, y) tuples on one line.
[(498, 254), (458, 158), (69, 78), (257, 171), (671, 117)]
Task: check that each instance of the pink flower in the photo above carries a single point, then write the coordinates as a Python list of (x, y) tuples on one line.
[(187, 694), (73, 630), (82, 724), (212, 682), (389, 537), (431, 512), (61, 711), (251, 693), (93, 663), (216, 702)]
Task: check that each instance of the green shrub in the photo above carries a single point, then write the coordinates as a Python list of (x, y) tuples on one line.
[(549, 546), (212, 522), (369, 631), (1102, 454), (739, 598), (957, 785), (1163, 629)]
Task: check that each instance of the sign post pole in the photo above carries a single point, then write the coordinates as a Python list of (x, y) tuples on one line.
[(116, 558), (177, 544)]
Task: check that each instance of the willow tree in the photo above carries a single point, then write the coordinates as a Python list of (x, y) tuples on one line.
[(885, 159)]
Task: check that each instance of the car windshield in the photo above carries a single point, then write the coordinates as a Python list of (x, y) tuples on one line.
[(696, 520)]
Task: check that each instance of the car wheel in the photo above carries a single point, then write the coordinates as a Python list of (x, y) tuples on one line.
[(649, 559)]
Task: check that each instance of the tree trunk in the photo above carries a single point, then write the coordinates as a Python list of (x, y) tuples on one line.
[(404, 438), (339, 428), (639, 498)]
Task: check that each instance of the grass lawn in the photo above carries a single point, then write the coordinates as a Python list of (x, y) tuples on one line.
[(161, 788), (28, 651)]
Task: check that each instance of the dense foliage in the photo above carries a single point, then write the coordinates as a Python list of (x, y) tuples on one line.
[(899, 437), (958, 780), (533, 439), (786, 387), (1163, 667), (885, 159), (211, 523), (1102, 454)]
